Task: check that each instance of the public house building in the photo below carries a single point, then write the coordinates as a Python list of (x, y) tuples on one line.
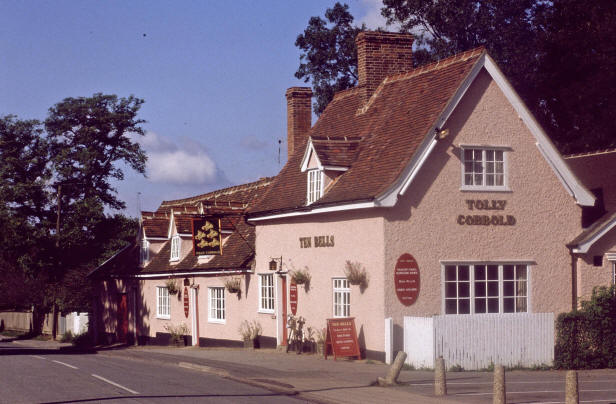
[(421, 198)]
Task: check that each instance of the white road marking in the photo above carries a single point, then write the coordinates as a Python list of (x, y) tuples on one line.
[(115, 384), (66, 364), (37, 357)]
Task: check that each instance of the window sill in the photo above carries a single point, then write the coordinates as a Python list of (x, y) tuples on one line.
[(216, 321), (485, 189), (263, 311), (163, 317)]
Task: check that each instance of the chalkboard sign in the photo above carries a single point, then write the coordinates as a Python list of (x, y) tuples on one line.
[(342, 337)]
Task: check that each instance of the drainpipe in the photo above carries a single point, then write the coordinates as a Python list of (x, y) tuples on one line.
[(573, 280)]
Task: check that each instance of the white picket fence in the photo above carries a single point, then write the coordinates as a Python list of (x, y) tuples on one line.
[(479, 340)]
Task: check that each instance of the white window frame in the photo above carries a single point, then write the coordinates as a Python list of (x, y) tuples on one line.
[(341, 297), (315, 185), (267, 293), (484, 168), (475, 294), (176, 243), (163, 303), (144, 255), (216, 312)]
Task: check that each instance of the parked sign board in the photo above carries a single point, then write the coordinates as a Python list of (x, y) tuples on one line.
[(406, 279), (342, 337)]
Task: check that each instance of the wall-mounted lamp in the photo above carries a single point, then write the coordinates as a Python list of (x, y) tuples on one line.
[(273, 264), (441, 133)]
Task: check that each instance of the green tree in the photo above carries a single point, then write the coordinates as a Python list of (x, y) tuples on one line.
[(558, 55), (64, 170), (576, 79), (329, 55)]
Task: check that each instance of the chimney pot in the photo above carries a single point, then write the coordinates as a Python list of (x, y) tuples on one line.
[(299, 116)]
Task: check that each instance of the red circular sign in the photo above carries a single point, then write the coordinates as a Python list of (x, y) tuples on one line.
[(186, 301), (406, 279), (293, 297)]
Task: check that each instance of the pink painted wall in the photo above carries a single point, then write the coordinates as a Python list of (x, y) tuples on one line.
[(424, 221), (358, 237), (589, 275)]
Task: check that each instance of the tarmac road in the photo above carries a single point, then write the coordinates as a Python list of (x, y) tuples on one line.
[(31, 374)]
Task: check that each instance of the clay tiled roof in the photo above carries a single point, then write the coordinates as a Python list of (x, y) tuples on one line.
[(238, 253), (391, 125), (245, 194), (155, 227), (336, 151)]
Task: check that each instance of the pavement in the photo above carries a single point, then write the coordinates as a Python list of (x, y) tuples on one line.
[(307, 377)]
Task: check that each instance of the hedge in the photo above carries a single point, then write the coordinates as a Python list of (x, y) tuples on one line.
[(586, 338)]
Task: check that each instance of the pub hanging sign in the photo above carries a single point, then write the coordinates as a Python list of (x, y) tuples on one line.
[(206, 236)]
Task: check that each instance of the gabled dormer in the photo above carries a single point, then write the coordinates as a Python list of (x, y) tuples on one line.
[(325, 159), (152, 235), (179, 234)]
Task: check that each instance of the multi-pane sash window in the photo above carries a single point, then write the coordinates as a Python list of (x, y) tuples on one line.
[(145, 251), (266, 293), (162, 302), (315, 185), (483, 168), (486, 288), (342, 297), (175, 248), (217, 305)]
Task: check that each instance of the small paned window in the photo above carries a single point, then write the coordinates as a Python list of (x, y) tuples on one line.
[(175, 248), (315, 185), (162, 303), (145, 251), (342, 297), (216, 313), (483, 169), (485, 288), (266, 293)]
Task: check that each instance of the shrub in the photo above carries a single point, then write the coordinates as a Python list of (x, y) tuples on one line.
[(250, 330), (177, 332), (586, 339)]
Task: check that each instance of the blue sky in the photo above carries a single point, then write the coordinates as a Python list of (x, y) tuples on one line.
[(212, 73)]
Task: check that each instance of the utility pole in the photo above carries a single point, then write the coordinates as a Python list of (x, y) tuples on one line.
[(54, 327)]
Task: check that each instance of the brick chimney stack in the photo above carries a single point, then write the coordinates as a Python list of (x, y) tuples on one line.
[(299, 116), (381, 54)]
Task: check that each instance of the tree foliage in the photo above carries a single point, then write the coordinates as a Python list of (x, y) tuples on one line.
[(64, 167), (559, 55), (329, 55)]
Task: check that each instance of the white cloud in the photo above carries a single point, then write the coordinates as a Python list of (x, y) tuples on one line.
[(372, 16), (186, 162)]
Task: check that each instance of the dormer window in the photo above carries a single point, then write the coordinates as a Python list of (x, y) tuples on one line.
[(144, 251), (175, 248), (315, 185)]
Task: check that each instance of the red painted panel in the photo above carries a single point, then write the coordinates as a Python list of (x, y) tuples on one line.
[(406, 279)]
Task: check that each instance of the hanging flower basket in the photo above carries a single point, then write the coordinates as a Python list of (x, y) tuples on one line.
[(172, 287), (301, 276), (233, 285), (356, 274)]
